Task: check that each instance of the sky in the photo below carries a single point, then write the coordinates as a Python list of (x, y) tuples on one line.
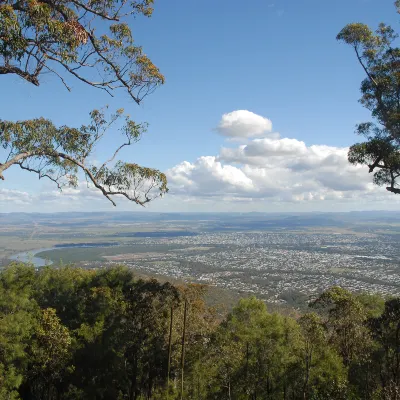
[(257, 113)]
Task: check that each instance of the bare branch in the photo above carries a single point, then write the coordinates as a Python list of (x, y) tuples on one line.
[(92, 11), (113, 157), (40, 174), (59, 76), (99, 85)]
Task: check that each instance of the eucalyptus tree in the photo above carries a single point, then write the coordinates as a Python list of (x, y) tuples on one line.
[(345, 319), (90, 41), (60, 153), (379, 58), (386, 331)]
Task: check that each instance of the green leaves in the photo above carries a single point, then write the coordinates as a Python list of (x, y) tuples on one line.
[(70, 333), (12, 43), (60, 154), (346, 317), (380, 90), (50, 351), (356, 34), (42, 35)]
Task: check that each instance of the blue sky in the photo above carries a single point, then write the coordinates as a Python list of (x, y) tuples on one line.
[(278, 59)]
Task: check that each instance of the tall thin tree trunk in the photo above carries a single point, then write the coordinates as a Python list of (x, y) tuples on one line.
[(183, 349), (246, 374), (170, 349), (307, 378), (247, 359), (198, 376), (133, 388), (284, 388)]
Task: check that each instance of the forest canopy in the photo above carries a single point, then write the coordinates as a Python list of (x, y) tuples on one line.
[(70, 333)]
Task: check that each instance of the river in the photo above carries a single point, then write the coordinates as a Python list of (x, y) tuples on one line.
[(29, 256)]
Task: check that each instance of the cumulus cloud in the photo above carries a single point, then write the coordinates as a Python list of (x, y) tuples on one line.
[(266, 170), (278, 169), (209, 177), (244, 124)]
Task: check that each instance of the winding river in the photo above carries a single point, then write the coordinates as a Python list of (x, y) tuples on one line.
[(30, 255)]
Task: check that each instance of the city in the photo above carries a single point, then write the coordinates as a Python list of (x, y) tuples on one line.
[(271, 264)]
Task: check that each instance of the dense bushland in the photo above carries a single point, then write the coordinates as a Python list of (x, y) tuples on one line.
[(71, 333)]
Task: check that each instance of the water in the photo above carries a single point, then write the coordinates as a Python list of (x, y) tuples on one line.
[(29, 256)]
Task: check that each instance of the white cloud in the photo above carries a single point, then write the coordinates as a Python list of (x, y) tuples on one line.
[(70, 195), (243, 124), (265, 174), (208, 177), (278, 170), (48, 200), (14, 196)]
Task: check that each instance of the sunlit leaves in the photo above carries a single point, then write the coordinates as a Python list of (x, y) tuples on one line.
[(346, 317), (59, 153), (70, 333), (38, 36), (356, 34), (53, 341), (380, 90)]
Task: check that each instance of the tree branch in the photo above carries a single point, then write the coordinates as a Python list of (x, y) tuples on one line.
[(14, 160), (98, 85), (92, 11), (393, 190), (90, 175), (9, 69), (375, 164), (41, 175), (113, 157), (364, 67), (113, 67)]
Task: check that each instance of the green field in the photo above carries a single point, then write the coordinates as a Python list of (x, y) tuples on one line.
[(77, 254)]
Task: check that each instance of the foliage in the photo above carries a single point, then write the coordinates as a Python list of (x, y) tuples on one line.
[(380, 59), (345, 321), (60, 153), (91, 41), (386, 331), (70, 333), (67, 37)]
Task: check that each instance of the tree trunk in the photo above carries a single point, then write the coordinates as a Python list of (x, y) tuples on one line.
[(198, 376), (247, 359), (133, 388), (183, 348), (307, 378), (169, 349)]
